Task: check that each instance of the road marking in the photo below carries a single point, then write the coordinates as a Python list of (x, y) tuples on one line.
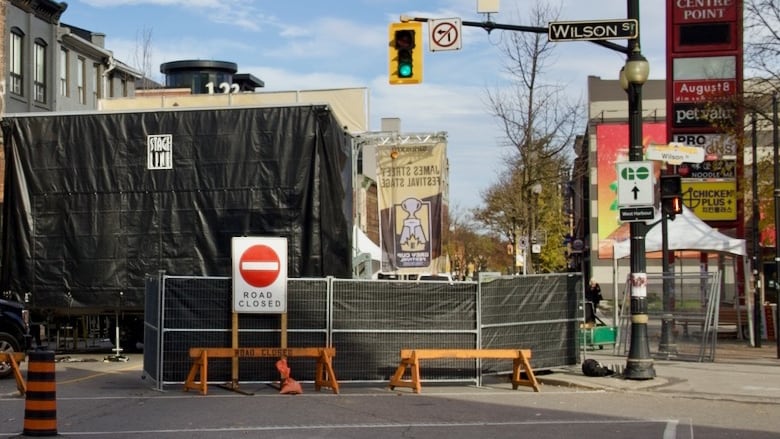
[(384, 425), (98, 374), (670, 432)]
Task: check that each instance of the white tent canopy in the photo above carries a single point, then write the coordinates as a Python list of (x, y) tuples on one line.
[(366, 256), (686, 232), (363, 244)]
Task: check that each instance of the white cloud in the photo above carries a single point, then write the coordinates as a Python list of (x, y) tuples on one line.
[(236, 13), (186, 3)]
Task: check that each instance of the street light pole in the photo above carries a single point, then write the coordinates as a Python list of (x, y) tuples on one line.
[(756, 259), (776, 147), (639, 365), (666, 345)]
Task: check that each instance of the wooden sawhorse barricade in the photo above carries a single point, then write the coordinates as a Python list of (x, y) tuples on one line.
[(410, 358), (13, 359), (324, 376)]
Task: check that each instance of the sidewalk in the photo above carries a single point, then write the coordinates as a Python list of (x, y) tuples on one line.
[(740, 372)]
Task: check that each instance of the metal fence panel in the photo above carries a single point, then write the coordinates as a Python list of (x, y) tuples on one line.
[(537, 312), (197, 313), (152, 346), (693, 329), (374, 320)]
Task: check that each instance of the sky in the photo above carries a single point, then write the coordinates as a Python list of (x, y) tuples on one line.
[(318, 44)]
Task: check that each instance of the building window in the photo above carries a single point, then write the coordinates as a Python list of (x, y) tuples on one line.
[(64, 69), (39, 71), (16, 62), (124, 87), (81, 80), (97, 92)]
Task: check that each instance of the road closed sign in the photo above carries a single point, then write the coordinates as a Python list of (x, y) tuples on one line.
[(259, 275)]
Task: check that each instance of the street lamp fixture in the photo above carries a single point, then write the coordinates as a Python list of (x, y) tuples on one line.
[(635, 71)]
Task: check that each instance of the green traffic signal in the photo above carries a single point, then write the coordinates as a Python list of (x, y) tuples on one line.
[(404, 55), (404, 43)]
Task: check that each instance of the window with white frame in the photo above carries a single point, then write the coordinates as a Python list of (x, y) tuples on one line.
[(97, 91), (16, 48), (39, 71), (81, 80), (64, 69)]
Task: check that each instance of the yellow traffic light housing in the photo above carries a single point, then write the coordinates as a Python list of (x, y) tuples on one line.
[(405, 53)]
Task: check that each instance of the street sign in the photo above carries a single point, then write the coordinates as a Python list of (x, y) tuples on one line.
[(629, 214), (592, 30), (675, 153), (445, 34), (259, 274), (635, 184)]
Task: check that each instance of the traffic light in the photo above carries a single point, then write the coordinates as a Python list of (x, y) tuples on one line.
[(405, 53), (671, 195)]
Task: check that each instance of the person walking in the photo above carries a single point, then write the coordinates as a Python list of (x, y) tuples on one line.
[(592, 299)]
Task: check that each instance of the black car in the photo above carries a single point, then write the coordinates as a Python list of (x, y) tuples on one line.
[(14, 329)]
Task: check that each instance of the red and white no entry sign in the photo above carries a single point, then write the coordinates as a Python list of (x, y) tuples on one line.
[(259, 274), (259, 266)]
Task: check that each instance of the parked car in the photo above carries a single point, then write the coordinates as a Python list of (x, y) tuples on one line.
[(14, 329)]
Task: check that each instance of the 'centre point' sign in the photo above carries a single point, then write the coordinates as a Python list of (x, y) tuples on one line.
[(259, 275)]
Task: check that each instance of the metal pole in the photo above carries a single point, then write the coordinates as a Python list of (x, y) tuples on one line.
[(639, 364), (754, 225), (666, 345), (776, 146)]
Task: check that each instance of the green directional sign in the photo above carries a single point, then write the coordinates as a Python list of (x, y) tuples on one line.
[(635, 184), (638, 173)]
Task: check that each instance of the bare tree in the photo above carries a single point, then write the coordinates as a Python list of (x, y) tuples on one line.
[(540, 124), (762, 41), (143, 57)]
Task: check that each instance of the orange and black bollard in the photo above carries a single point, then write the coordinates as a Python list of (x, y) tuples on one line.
[(40, 408)]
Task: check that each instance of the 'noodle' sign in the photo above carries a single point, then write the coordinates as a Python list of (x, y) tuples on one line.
[(259, 275)]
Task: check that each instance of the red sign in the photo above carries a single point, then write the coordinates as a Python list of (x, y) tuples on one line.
[(691, 11), (704, 90), (259, 266)]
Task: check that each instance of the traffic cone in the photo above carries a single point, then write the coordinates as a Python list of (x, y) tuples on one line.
[(40, 407), (288, 385)]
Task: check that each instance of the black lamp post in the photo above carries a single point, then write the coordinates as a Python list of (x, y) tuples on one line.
[(776, 148), (633, 75), (666, 345)]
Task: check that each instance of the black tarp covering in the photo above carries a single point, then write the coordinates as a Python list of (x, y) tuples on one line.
[(83, 215)]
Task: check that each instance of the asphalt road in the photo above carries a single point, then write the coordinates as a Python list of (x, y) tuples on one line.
[(112, 400)]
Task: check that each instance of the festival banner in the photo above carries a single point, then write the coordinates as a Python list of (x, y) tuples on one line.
[(411, 183)]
